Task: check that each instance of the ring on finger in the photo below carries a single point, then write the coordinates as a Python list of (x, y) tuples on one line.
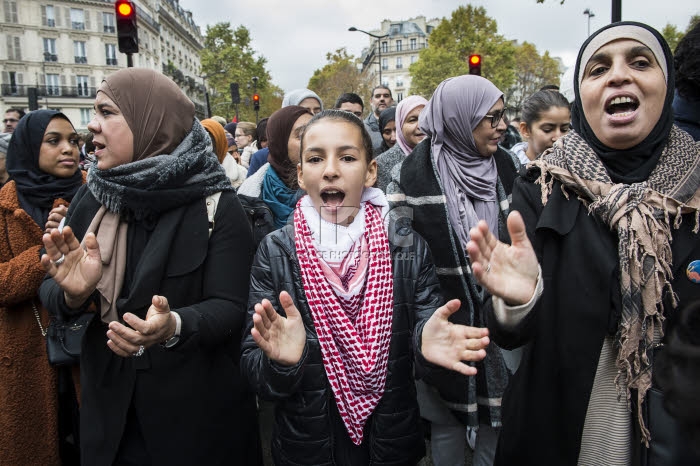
[(139, 353), (488, 267), (59, 261)]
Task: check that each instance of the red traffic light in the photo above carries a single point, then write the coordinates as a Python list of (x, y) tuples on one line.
[(475, 64), (124, 8), (256, 98)]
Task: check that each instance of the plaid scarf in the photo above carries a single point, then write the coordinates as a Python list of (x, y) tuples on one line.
[(355, 353), (642, 214)]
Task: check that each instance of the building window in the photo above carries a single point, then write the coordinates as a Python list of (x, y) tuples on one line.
[(385, 63), (85, 116), (14, 52), (81, 83), (399, 63), (11, 11), (399, 96), (414, 58), (50, 50), (414, 45), (399, 81), (111, 53), (52, 85), (50, 18), (398, 45), (385, 47), (12, 75), (108, 22), (77, 19), (79, 52)]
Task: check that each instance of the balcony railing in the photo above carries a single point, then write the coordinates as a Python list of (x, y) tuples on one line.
[(78, 26), (20, 90), (110, 29), (50, 22), (82, 60), (112, 61), (50, 57)]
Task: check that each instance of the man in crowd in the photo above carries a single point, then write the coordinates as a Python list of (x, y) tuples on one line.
[(380, 101), (12, 117), (350, 103)]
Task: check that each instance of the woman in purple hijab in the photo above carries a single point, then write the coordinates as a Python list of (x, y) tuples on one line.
[(457, 175)]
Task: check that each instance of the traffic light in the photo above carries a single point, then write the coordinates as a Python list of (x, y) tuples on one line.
[(33, 97), (475, 64), (127, 33), (235, 95), (256, 101)]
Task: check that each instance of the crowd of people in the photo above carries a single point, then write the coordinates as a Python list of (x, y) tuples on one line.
[(527, 289)]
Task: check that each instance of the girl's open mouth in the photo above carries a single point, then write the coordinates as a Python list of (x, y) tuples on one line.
[(332, 197)]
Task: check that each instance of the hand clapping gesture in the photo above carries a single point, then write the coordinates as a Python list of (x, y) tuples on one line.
[(141, 334), (449, 345), (76, 270), (506, 271), (282, 339)]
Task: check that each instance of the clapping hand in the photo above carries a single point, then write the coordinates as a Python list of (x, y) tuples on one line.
[(76, 270), (281, 338), (507, 271), (158, 326), (449, 345)]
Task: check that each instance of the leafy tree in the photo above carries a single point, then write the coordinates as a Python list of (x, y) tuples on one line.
[(468, 31), (532, 72), (337, 76), (672, 35), (227, 57)]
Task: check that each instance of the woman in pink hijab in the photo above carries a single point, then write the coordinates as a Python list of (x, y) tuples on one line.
[(408, 135)]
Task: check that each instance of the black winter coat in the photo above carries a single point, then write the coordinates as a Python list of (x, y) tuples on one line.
[(190, 400), (305, 410), (544, 407)]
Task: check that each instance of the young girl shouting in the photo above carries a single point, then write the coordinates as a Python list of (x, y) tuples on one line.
[(340, 308)]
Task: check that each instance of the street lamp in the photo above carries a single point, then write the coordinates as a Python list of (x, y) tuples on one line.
[(379, 48), (206, 91), (588, 13)]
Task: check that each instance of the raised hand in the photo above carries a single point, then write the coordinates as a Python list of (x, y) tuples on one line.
[(282, 339), (158, 326), (76, 270), (449, 345), (507, 271), (55, 216)]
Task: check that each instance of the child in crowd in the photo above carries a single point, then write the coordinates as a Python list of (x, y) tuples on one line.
[(361, 305), (545, 118)]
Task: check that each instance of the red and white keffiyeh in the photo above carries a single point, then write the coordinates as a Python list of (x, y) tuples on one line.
[(355, 348)]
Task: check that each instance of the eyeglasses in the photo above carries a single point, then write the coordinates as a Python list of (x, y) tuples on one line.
[(496, 116), (10, 120)]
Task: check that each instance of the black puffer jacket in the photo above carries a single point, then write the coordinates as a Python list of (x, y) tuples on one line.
[(305, 413)]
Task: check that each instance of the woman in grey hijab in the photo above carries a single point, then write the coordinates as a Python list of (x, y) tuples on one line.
[(457, 175)]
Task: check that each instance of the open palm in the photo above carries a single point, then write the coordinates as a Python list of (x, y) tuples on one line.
[(81, 269), (281, 338), (507, 271)]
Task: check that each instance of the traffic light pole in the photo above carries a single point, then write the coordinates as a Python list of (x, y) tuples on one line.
[(129, 60), (255, 91)]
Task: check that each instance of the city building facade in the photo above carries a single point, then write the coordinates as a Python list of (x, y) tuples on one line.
[(60, 50), (395, 52)]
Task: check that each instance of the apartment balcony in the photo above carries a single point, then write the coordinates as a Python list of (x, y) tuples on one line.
[(20, 90), (81, 60), (50, 56)]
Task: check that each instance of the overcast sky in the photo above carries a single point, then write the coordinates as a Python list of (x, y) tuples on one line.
[(295, 35)]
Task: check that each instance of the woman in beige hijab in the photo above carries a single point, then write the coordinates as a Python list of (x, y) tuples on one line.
[(158, 362)]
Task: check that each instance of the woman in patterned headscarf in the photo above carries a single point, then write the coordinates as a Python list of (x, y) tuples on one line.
[(158, 361), (612, 214)]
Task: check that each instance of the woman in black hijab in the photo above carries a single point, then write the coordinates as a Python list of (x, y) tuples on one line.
[(612, 213), (387, 128), (42, 161)]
